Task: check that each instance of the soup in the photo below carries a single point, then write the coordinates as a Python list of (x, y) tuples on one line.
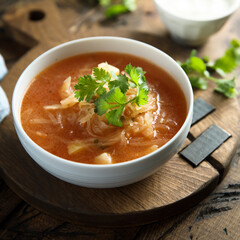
[(54, 119)]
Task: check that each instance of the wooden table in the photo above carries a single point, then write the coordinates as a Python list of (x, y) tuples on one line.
[(217, 217)]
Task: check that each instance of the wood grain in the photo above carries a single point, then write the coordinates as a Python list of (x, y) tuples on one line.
[(45, 30), (9, 202), (173, 189)]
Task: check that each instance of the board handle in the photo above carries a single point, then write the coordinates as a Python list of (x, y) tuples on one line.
[(36, 22)]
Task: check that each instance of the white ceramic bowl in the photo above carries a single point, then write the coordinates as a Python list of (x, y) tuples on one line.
[(101, 176), (193, 30)]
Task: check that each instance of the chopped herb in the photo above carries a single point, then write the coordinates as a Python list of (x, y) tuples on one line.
[(131, 5), (103, 147), (230, 60), (200, 70), (86, 88), (92, 88), (227, 87), (96, 141), (105, 2), (120, 81), (113, 9)]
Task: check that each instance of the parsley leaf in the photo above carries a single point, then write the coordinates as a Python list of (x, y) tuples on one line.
[(230, 60), (131, 5), (133, 73), (113, 10), (128, 68), (142, 97), (193, 64), (101, 105), (105, 2), (115, 100), (197, 64), (86, 87), (121, 81), (198, 82), (139, 80), (199, 70), (114, 116), (115, 96), (143, 90), (227, 87), (101, 75), (107, 91)]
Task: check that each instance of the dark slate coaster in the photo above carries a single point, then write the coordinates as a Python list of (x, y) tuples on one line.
[(205, 144), (200, 110)]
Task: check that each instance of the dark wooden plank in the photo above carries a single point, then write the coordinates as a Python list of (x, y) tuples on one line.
[(200, 110), (205, 145)]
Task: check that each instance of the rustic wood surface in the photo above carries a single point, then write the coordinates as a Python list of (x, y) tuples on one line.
[(176, 187), (214, 218)]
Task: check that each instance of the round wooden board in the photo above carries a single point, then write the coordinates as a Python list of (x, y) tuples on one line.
[(176, 187)]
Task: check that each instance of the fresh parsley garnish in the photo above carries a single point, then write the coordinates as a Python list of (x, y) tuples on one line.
[(114, 9), (201, 70), (111, 102), (230, 60), (120, 81)]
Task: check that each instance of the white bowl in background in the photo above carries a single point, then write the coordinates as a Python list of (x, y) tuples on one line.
[(190, 28), (101, 176)]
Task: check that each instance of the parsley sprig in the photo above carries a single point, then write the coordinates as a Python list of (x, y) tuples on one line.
[(114, 8), (93, 88), (200, 70)]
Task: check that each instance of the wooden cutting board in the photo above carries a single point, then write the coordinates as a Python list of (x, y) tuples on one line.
[(176, 187)]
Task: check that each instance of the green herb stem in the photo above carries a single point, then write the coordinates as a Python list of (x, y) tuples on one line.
[(199, 70)]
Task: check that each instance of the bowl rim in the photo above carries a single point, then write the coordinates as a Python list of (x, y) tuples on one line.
[(17, 100), (231, 10)]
